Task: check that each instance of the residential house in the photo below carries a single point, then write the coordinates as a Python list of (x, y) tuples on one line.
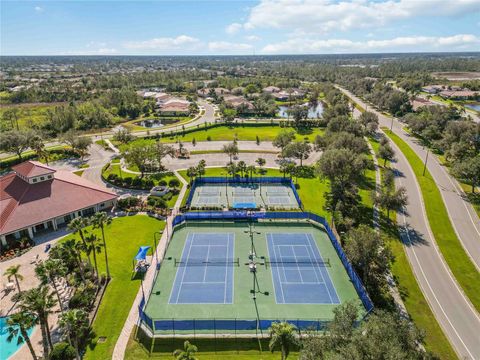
[(174, 107), (460, 94)]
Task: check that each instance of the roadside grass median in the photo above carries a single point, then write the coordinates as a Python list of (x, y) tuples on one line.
[(410, 292), (452, 250)]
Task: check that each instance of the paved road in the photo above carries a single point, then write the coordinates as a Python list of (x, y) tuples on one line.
[(457, 317), (465, 220)]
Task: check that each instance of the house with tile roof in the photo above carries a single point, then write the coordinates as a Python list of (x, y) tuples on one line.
[(35, 198)]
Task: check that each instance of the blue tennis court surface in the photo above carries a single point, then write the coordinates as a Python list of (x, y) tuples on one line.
[(205, 273), (299, 273)]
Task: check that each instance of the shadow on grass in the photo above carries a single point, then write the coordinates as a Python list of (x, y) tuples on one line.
[(230, 345)]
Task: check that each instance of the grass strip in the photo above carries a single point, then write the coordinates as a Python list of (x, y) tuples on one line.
[(457, 259), (410, 292)]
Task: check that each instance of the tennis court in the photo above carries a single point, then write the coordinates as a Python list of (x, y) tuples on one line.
[(205, 271), (205, 283), (298, 268), (243, 196)]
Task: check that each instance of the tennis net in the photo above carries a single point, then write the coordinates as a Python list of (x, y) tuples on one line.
[(296, 261), (205, 262)]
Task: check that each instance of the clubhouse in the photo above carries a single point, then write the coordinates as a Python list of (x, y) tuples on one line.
[(36, 198)]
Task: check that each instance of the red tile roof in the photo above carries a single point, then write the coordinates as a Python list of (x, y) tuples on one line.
[(32, 168), (23, 204)]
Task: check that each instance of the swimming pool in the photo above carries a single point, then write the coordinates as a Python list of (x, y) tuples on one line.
[(7, 349)]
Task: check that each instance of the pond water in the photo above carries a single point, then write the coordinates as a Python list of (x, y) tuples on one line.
[(7, 349), (473, 106), (151, 124), (313, 112)]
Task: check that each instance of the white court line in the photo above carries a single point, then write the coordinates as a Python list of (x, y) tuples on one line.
[(280, 260), (184, 269), (204, 282), (225, 278), (206, 265), (176, 274), (309, 240), (269, 237)]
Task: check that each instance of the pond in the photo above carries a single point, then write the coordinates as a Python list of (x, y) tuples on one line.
[(473, 106), (7, 349), (151, 124), (313, 112)]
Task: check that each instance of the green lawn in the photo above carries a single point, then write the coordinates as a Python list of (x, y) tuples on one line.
[(412, 296), (225, 133), (121, 290), (458, 261)]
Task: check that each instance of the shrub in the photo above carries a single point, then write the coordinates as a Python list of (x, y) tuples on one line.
[(127, 181), (112, 177), (162, 183), (62, 351), (162, 204), (151, 201), (149, 183), (174, 183), (209, 138), (137, 182)]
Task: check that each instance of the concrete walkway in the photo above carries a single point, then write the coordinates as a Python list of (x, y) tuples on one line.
[(133, 316)]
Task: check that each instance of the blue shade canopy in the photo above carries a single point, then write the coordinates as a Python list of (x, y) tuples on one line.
[(142, 253)]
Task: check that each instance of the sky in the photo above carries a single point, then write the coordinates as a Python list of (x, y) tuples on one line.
[(229, 27)]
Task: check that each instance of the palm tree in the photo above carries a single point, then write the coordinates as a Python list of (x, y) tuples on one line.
[(99, 221), (74, 322), (39, 301), (78, 225), (242, 167), (48, 272), (191, 173), (251, 169), (94, 247), (18, 325), (70, 248), (187, 353), (232, 169), (282, 334), (261, 162), (37, 145), (14, 271)]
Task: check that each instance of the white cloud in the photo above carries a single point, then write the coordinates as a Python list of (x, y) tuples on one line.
[(409, 43), (252, 38), (320, 16), (233, 28), (181, 42), (100, 51), (228, 47), (38, 9)]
